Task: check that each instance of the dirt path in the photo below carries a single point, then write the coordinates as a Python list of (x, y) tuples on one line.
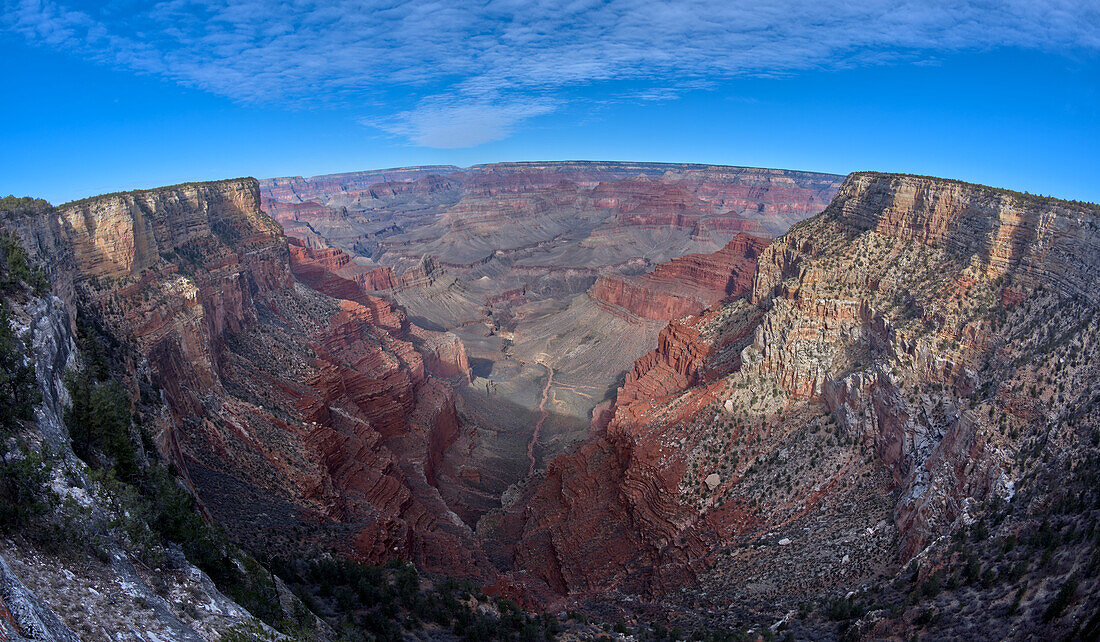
[(542, 419)]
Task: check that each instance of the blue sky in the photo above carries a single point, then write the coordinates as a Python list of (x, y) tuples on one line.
[(121, 94)]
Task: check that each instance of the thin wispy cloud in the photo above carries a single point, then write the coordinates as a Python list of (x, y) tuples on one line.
[(452, 124), (474, 72)]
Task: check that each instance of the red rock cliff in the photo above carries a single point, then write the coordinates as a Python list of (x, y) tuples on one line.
[(685, 285), (288, 402)]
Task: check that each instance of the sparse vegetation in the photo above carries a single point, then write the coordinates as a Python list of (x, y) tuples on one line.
[(24, 472), (18, 269), (371, 602)]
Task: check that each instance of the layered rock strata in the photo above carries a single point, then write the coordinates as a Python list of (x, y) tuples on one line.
[(898, 356), (299, 402), (686, 285)]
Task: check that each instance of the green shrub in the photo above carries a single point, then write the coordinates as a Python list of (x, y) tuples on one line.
[(18, 267), (843, 608), (18, 387), (100, 425), (23, 491), (931, 586), (23, 474), (372, 602), (1061, 600)]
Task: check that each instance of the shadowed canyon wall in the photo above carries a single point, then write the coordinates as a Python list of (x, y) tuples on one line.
[(303, 410)]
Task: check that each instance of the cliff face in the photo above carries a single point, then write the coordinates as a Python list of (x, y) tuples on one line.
[(298, 400), (686, 285), (159, 266), (689, 351), (638, 297), (930, 289), (898, 356), (1032, 241), (120, 235)]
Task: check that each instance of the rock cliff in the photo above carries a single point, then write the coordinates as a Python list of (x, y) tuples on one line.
[(297, 399), (915, 353), (920, 295), (687, 284)]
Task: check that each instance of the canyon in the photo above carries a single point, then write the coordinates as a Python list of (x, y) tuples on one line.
[(317, 399), (693, 394), (539, 269)]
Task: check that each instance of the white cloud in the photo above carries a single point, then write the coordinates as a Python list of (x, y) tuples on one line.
[(484, 67), (448, 124)]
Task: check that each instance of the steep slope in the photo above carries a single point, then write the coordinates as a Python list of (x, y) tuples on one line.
[(82, 534), (301, 409), (912, 361)]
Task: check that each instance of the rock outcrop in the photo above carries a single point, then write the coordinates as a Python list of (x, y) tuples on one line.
[(686, 285), (444, 354), (634, 295)]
